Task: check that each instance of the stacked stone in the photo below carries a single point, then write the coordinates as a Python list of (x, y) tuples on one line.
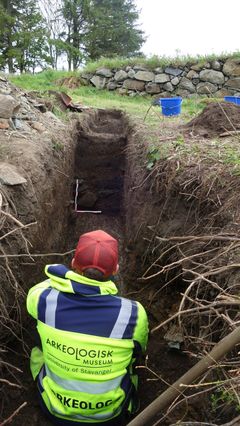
[(22, 116), (22, 111), (217, 78), (17, 111)]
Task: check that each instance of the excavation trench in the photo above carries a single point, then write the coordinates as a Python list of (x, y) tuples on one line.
[(96, 178), (99, 170), (87, 194), (95, 160)]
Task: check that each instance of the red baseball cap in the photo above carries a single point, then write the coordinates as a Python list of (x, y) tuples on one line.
[(97, 250)]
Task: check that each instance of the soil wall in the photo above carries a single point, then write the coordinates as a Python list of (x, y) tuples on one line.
[(34, 214), (181, 225)]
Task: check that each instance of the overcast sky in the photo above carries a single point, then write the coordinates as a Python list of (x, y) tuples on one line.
[(190, 27)]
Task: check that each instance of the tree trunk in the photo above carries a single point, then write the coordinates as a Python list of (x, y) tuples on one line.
[(10, 65), (69, 62)]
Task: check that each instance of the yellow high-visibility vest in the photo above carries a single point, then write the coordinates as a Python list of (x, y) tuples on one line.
[(90, 339)]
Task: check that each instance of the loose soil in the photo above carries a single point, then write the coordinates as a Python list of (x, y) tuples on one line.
[(98, 162), (217, 118)]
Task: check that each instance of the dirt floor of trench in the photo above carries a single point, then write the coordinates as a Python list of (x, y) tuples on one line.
[(99, 197)]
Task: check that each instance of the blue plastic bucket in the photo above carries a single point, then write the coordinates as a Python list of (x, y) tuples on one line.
[(233, 99), (170, 106)]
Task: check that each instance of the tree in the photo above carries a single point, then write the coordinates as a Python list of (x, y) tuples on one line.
[(52, 12), (75, 14), (23, 41), (113, 29), (31, 38), (7, 28)]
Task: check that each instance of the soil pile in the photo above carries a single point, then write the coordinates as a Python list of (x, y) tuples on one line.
[(71, 82), (217, 118)]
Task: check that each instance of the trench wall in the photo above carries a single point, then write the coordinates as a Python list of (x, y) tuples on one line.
[(44, 202), (92, 150)]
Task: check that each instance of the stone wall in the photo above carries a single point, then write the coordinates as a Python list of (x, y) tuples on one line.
[(214, 78)]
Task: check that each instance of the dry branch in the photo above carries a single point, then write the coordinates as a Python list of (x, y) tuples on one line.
[(37, 255), (189, 238), (234, 422), (15, 385), (9, 419), (165, 399), (229, 133), (17, 229), (198, 309), (10, 216), (208, 309)]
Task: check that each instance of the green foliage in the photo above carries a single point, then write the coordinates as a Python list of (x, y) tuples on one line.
[(62, 115), (23, 36), (153, 62), (41, 81), (195, 104), (7, 24), (155, 154), (75, 14), (31, 40), (112, 29), (118, 62), (231, 156), (224, 397), (57, 146), (179, 141)]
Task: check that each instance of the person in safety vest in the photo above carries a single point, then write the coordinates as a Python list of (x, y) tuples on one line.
[(91, 338)]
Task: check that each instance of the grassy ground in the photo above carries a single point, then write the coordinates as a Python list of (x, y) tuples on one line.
[(152, 123), (138, 107)]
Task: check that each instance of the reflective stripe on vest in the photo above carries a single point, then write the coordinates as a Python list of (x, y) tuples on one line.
[(119, 327), (40, 379), (97, 416), (122, 320), (51, 307), (86, 387), (104, 416)]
